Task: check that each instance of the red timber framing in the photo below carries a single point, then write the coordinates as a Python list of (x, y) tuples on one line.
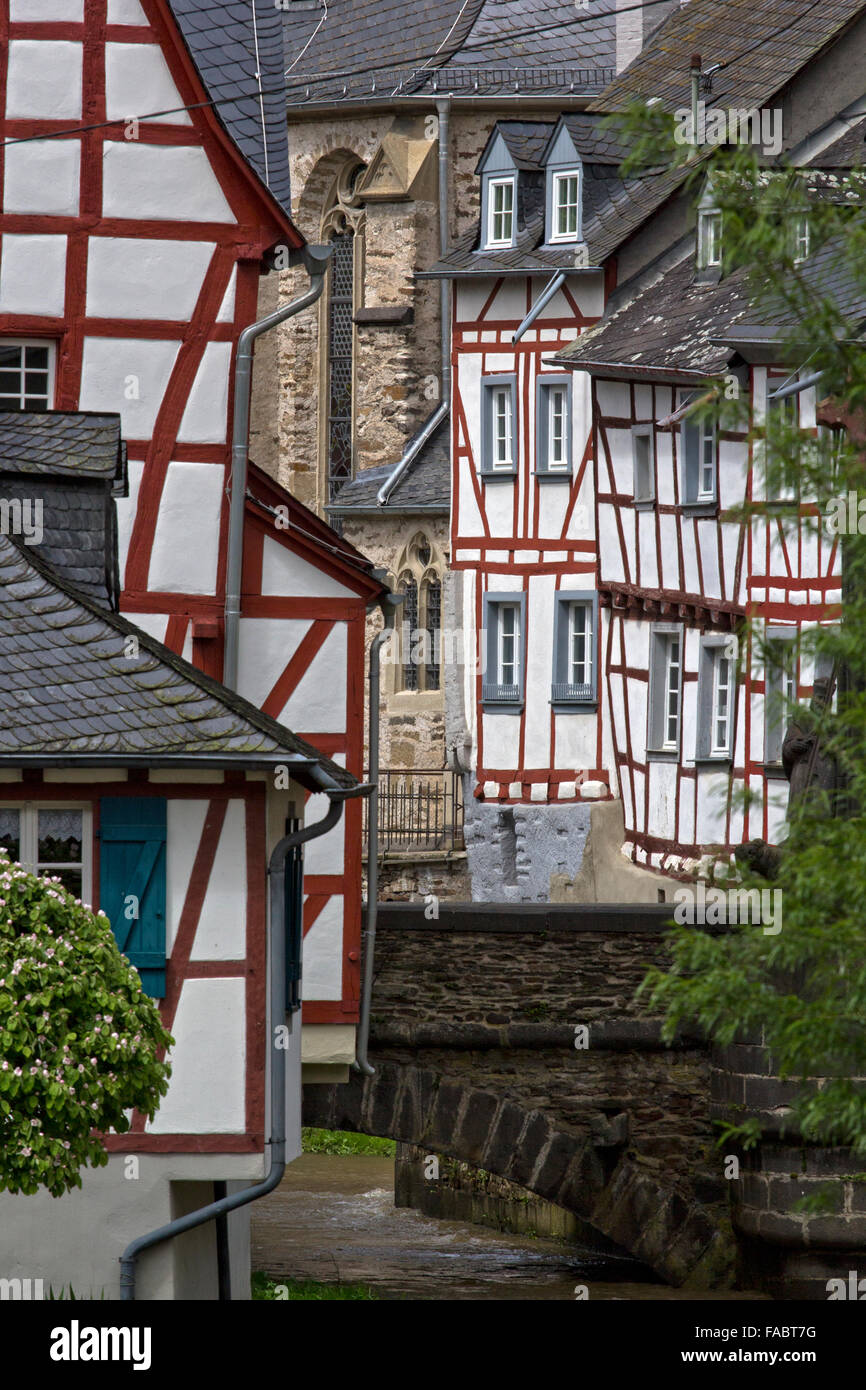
[(524, 551), (310, 538), (239, 249), (763, 576), (252, 968)]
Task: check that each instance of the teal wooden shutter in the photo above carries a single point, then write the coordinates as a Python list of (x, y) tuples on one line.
[(294, 906), (132, 879)]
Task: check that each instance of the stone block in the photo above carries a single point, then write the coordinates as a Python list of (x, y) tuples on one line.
[(593, 791), (567, 791)]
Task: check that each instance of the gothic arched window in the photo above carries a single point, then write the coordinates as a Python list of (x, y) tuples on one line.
[(420, 616), (342, 226)]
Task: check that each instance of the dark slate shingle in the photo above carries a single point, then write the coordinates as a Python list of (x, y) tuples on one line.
[(67, 689), (426, 483), (237, 47), (467, 47)]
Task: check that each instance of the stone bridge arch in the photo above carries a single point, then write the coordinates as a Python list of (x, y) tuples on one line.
[(597, 1177)]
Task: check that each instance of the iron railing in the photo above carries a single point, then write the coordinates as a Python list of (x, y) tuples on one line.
[(418, 810)]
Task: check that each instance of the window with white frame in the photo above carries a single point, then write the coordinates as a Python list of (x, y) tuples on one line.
[(500, 212), (666, 682), (498, 425), (50, 840), (566, 205), (26, 374), (698, 447), (716, 697), (575, 642), (643, 461), (800, 238), (709, 239), (553, 444), (780, 689), (504, 624)]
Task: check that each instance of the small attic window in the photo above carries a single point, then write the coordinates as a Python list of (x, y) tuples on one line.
[(800, 239), (709, 239), (500, 212), (565, 205)]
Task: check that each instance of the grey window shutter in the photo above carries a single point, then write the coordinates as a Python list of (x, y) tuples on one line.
[(691, 438)]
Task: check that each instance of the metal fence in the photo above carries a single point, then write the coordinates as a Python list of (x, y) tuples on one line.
[(418, 810)]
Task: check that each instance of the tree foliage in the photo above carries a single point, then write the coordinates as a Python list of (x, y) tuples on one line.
[(801, 991), (79, 1040)]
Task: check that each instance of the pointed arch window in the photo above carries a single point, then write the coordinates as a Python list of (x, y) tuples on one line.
[(420, 621), (342, 226)]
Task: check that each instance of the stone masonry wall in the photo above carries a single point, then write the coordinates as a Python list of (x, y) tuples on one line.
[(514, 851)]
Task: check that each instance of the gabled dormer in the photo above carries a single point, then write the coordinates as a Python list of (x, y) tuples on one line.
[(563, 188), (512, 182)]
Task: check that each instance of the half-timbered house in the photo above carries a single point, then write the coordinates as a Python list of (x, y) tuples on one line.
[(531, 276), (145, 185), (137, 779)]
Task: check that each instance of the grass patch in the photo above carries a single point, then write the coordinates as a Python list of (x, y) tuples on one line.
[(306, 1290), (342, 1141)]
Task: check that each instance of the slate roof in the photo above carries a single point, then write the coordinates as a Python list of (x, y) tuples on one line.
[(848, 152), (762, 44), (426, 484), (68, 692), (460, 46), (669, 324), (677, 323), (230, 42), (64, 470), (59, 443), (613, 207)]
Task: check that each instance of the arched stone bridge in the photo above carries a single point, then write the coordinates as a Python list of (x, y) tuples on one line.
[(474, 1023)]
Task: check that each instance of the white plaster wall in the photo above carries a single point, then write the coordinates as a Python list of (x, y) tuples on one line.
[(318, 702), (708, 539), (129, 375), (207, 1090), (227, 308), (162, 182), (33, 275), (44, 80), (58, 11), (323, 953), (575, 741), (325, 854), (501, 734), (154, 624), (124, 12), (42, 176), (126, 508), (205, 414), (184, 824), (662, 799), (609, 549), (222, 929), (712, 805), (286, 574), (265, 647), (646, 531), (665, 466), (139, 278), (191, 490), (539, 673), (77, 1240), (137, 81)]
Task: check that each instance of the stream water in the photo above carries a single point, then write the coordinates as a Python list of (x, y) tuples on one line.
[(333, 1220)]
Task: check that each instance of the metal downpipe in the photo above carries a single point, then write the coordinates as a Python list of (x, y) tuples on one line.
[(315, 259), (389, 612), (277, 1143)]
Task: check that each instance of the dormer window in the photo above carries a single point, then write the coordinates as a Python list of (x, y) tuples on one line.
[(500, 212), (565, 206), (709, 239)]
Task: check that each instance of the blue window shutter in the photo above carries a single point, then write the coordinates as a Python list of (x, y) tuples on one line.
[(132, 866)]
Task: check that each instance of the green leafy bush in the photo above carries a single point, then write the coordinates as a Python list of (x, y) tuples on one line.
[(79, 1040)]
